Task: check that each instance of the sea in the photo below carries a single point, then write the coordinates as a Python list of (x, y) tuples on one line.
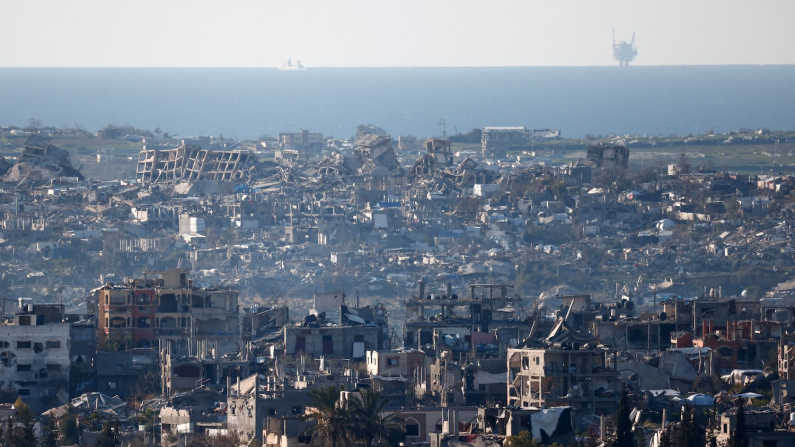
[(247, 103)]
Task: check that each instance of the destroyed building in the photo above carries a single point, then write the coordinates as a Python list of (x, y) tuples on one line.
[(255, 400), (377, 149), (35, 352), (40, 162), (303, 141), (566, 370), (206, 366), (200, 411), (608, 156), (116, 373), (438, 155), (496, 141), (363, 217), (347, 333), (191, 164), (441, 321)]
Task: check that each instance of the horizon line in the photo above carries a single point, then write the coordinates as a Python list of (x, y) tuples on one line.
[(399, 66)]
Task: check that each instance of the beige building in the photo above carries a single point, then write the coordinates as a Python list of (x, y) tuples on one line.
[(302, 141), (564, 371), (394, 363)]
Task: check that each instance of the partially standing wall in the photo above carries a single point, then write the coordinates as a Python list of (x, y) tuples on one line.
[(191, 163)]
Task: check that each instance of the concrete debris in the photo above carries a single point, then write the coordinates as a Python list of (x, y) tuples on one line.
[(191, 164), (498, 288), (40, 162), (608, 156)]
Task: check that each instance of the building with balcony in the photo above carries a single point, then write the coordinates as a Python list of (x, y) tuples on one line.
[(445, 321), (165, 307), (566, 370)]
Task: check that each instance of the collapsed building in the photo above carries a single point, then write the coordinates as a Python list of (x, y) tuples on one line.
[(192, 163), (334, 329), (608, 156), (436, 172), (496, 141), (566, 370), (434, 321), (40, 162)]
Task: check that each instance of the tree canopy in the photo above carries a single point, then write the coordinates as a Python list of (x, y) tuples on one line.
[(624, 436)]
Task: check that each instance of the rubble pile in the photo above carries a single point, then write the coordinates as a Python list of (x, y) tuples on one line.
[(228, 285), (40, 162)]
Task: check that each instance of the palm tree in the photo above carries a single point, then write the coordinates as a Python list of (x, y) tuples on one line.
[(331, 420), (368, 425)]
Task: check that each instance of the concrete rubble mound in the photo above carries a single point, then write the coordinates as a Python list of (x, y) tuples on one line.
[(40, 162), (100, 403)]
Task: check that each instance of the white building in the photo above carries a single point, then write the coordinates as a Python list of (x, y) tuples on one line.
[(34, 352)]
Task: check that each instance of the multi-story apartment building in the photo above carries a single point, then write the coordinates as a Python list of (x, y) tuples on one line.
[(563, 373), (168, 308), (429, 318), (302, 141), (34, 352)]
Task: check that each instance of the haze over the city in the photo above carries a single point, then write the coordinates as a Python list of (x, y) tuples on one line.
[(350, 33)]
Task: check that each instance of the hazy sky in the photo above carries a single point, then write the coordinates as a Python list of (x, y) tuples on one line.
[(376, 33)]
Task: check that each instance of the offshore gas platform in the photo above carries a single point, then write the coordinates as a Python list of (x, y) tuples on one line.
[(624, 52)]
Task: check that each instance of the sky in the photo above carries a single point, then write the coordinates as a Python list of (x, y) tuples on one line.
[(390, 33)]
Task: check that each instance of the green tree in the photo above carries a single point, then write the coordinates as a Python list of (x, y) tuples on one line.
[(148, 418), (8, 432), (332, 423), (733, 209), (109, 437), (395, 434), (228, 237), (69, 432), (94, 420), (689, 434), (34, 123), (624, 436), (709, 384), (146, 385), (665, 437), (367, 424), (592, 438), (24, 436), (523, 439), (469, 206), (737, 437), (50, 434)]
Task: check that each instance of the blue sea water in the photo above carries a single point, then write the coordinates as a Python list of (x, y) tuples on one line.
[(248, 102)]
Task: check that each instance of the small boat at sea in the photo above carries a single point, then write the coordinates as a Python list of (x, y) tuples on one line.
[(290, 67)]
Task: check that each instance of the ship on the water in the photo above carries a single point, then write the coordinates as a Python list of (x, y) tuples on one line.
[(290, 67)]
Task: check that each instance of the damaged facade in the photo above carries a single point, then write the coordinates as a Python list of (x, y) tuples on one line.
[(490, 258), (191, 164)]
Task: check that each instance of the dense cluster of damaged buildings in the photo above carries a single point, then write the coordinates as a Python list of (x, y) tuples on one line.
[(470, 289)]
